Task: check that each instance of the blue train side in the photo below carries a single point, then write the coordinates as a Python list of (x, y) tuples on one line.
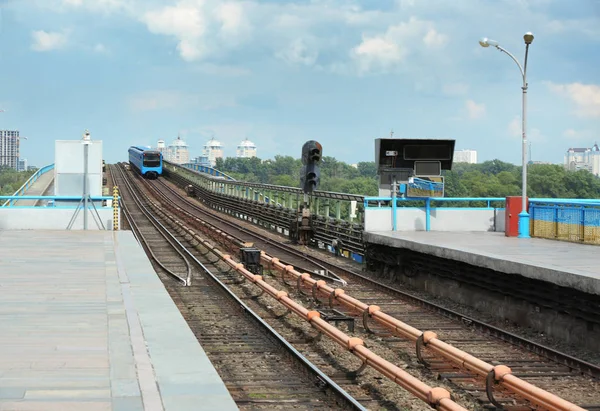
[(146, 161)]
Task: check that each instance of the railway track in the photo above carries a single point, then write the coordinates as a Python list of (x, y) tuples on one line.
[(301, 261), (259, 368), (570, 378)]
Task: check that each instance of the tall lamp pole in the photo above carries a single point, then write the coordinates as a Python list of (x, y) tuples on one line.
[(524, 215)]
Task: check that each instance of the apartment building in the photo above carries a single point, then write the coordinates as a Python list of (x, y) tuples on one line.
[(9, 148)]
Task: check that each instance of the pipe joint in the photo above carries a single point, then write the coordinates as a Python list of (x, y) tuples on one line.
[(373, 309), (337, 292), (280, 295), (500, 371), (428, 336), (436, 395), (312, 314), (353, 342), (289, 268)]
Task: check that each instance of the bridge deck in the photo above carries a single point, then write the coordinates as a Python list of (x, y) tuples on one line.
[(39, 188), (567, 264), (87, 325)]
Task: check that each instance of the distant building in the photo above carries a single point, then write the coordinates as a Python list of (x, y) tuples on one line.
[(583, 159), (246, 149), (213, 149), (22, 164), (161, 146), (9, 148), (465, 156), (201, 160), (177, 152)]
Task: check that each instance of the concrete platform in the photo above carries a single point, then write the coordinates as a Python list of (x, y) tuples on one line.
[(87, 325), (41, 186), (562, 263)]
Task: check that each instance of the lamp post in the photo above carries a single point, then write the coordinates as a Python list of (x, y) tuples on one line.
[(524, 215)]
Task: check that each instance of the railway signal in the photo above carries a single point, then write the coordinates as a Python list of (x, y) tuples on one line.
[(311, 158)]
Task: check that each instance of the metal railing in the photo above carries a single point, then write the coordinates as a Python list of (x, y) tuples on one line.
[(428, 203), (565, 219), (52, 199), (341, 205), (27, 185), (206, 170)]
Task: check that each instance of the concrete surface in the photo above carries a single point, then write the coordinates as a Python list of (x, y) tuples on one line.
[(52, 218), (562, 263), (39, 188), (441, 219), (87, 325)]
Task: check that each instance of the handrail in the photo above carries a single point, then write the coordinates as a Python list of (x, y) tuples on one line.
[(566, 201), (29, 182), (199, 167), (11, 199), (294, 190), (58, 198)]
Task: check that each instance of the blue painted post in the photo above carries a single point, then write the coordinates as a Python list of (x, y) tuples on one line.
[(427, 214), (394, 208)]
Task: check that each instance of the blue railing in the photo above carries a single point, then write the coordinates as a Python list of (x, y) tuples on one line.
[(29, 183), (52, 199), (427, 204), (208, 170), (565, 219)]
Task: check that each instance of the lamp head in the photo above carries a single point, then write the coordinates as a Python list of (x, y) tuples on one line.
[(528, 37), (485, 42)]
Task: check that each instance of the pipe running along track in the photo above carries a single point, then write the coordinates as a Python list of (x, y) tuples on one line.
[(494, 374)]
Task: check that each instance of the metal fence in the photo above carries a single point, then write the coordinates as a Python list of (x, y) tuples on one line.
[(566, 220)]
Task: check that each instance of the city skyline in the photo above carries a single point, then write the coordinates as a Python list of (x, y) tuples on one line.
[(341, 72)]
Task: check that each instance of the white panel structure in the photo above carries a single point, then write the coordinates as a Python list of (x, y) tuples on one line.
[(68, 168)]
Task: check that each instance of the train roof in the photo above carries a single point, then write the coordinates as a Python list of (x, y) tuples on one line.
[(141, 148)]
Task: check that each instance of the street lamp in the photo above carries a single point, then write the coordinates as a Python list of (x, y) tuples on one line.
[(524, 215)]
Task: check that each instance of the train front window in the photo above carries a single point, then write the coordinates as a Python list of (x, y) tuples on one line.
[(151, 160)]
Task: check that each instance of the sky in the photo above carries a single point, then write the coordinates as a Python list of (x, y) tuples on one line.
[(342, 72)]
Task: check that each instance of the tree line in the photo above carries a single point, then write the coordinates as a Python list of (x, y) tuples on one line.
[(493, 178), (11, 180)]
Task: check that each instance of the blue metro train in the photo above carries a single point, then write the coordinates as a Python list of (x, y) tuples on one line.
[(146, 161)]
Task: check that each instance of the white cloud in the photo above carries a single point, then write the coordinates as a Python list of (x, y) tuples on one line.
[(105, 6), (585, 96), (299, 52), (514, 127), (377, 53), (578, 135), (231, 17), (168, 99), (434, 39), (455, 89), (201, 27), (221, 70), (384, 52), (533, 134), (475, 110), (186, 23), (47, 40)]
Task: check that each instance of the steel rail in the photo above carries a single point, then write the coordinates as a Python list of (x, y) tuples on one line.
[(529, 391), (161, 230), (331, 276), (333, 386)]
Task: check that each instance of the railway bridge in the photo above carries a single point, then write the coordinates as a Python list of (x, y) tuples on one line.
[(176, 299)]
